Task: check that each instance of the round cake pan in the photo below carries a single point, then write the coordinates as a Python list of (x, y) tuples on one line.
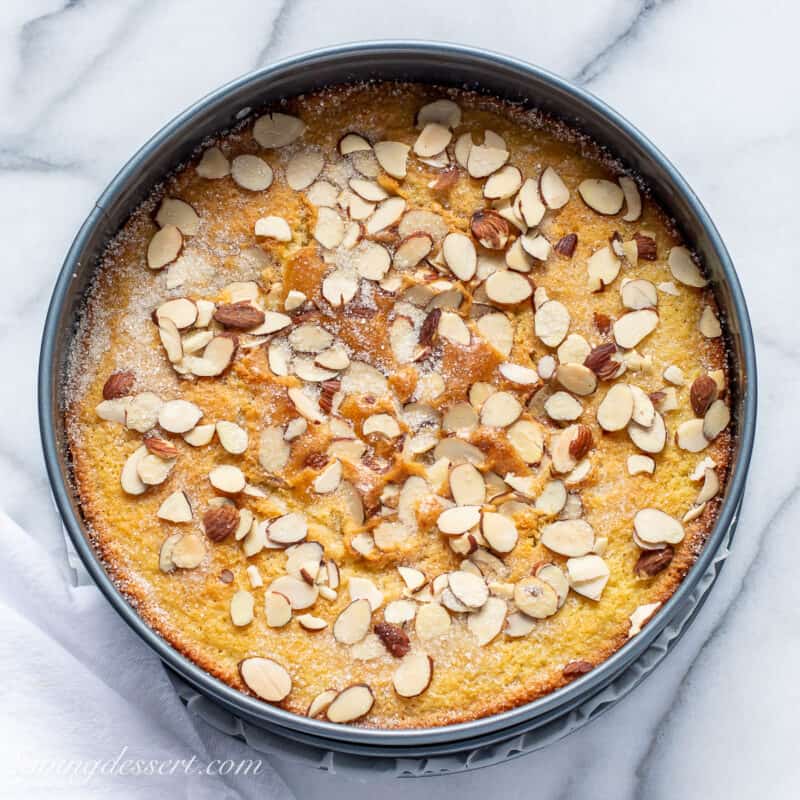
[(432, 63)]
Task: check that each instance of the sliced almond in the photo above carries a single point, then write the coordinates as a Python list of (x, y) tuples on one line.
[(412, 251), (251, 173), (353, 143), (329, 479), (311, 623), (266, 678), (288, 529), (200, 435), (527, 438), (414, 674), (552, 499), (467, 485), (537, 246), (305, 405), (602, 196), (633, 200), (353, 624), (299, 593), (499, 531), (716, 420), (553, 189), (535, 598), (443, 111), (179, 416), (504, 183), (573, 537), (684, 269), (519, 625), (634, 326), (175, 508), (458, 520), (483, 160), (303, 169), (497, 329), (173, 211), (516, 373), (386, 214), (329, 229), (432, 140), (507, 287), (588, 575), (650, 438), (563, 407), (460, 255), (164, 247), (274, 228), (241, 608), (551, 323), (232, 437), (392, 156), (351, 704), (500, 410), (576, 378), (656, 527), (487, 623), (603, 267), (276, 130), (690, 436), (216, 357), (154, 470), (639, 294), (468, 589), (638, 465), (414, 579), (709, 324), (181, 311), (554, 576), (529, 202), (616, 408), (171, 340), (454, 329), (213, 165), (644, 411), (130, 480), (188, 552), (227, 479)]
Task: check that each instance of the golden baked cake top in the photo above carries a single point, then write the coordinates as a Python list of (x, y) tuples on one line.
[(399, 406)]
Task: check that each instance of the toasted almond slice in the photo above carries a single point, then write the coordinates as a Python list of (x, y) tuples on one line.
[(213, 165), (507, 287), (303, 169), (457, 450), (251, 173), (483, 160), (551, 323), (574, 349), (321, 703), (188, 552), (353, 624), (412, 250), (306, 555), (709, 324), (310, 338), (517, 258), (552, 499), (200, 435), (171, 340), (487, 623), (504, 183), (400, 611), (232, 437), (651, 438), (499, 531), (616, 408), (392, 156), (334, 358), (576, 378), (173, 211), (276, 130), (278, 609), (432, 140), (563, 407), (311, 623), (535, 598), (639, 294), (175, 508), (459, 254), (216, 357), (164, 247), (368, 190), (353, 143), (179, 416), (274, 228), (288, 529), (130, 480), (519, 625), (674, 375), (305, 405), (710, 488), (414, 674), (383, 424), (458, 520), (444, 111), (716, 420), (588, 575), (470, 590), (655, 527), (684, 269), (516, 373), (467, 485), (329, 479), (690, 436), (165, 562), (386, 214), (294, 300), (603, 267), (546, 367), (641, 464), (351, 704), (227, 479), (181, 311), (454, 329), (414, 579), (497, 329), (529, 201), (195, 341), (299, 593), (554, 576), (633, 200), (372, 261), (527, 438), (572, 537), (241, 608), (307, 370), (154, 470), (329, 228), (273, 451), (500, 410), (553, 189), (266, 678), (602, 196), (634, 326), (462, 148), (364, 588), (644, 411), (535, 246)]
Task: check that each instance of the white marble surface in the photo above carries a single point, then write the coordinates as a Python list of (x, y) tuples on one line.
[(712, 82)]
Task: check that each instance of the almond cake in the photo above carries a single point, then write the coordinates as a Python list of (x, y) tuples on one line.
[(399, 406)]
